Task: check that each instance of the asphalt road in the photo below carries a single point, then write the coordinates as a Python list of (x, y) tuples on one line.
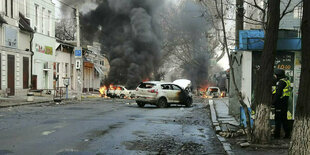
[(106, 126)]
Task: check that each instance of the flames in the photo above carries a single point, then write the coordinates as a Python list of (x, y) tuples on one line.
[(144, 80), (103, 91)]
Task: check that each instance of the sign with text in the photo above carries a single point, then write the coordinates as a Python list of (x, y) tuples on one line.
[(78, 52)]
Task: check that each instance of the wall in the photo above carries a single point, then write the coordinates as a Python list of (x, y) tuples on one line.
[(234, 105), (62, 58), (289, 21), (24, 40), (246, 83), (40, 41)]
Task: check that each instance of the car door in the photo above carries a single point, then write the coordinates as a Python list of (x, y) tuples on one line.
[(176, 93), (167, 92)]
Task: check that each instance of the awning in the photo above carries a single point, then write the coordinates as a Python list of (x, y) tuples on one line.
[(24, 23), (99, 70)]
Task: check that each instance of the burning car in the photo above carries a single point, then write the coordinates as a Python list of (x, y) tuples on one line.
[(162, 94), (118, 91), (213, 92)]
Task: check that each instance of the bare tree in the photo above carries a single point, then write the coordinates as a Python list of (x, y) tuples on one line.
[(219, 6), (300, 142), (65, 29)]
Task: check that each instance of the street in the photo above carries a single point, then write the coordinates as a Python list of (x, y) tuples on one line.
[(107, 126)]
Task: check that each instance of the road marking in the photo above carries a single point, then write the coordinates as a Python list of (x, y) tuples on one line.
[(45, 133)]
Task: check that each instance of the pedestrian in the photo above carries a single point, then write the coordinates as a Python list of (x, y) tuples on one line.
[(280, 102)]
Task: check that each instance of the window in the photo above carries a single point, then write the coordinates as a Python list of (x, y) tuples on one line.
[(6, 7), (36, 15), (67, 69), (298, 12), (12, 8), (175, 87), (146, 85), (42, 17), (57, 68), (165, 86), (49, 23)]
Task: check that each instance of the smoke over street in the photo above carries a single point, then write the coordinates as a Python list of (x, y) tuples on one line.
[(128, 32)]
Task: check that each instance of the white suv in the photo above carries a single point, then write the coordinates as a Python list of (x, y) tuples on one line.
[(162, 94)]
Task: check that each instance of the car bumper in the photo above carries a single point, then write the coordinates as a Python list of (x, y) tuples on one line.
[(146, 99)]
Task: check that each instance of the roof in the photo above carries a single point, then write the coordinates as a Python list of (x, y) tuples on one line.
[(24, 24), (2, 20), (253, 40), (158, 82)]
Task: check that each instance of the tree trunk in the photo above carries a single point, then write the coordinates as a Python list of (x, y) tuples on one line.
[(300, 142), (239, 20), (263, 95)]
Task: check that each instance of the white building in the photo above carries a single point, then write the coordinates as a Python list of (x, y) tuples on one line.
[(64, 64), (42, 19), (15, 55)]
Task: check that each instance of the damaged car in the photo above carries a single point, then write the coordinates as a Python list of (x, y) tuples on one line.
[(162, 94), (118, 91), (213, 92)]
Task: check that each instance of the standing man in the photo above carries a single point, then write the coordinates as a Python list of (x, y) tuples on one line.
[(280, 101)]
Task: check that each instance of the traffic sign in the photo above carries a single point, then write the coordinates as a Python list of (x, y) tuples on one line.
[(78, 52)]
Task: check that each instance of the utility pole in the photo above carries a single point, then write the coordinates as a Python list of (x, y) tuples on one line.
[(239, 20), (78, 52)]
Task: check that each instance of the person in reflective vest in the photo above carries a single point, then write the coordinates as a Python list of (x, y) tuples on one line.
[(280, 101)]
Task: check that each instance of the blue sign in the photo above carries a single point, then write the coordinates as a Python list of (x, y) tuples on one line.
[(78, 53)]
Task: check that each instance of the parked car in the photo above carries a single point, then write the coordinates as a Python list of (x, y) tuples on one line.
[(162, 94), (118, 91), (213, 92)]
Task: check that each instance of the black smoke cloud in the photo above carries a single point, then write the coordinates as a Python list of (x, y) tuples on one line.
[(191, 28), (128, 32)]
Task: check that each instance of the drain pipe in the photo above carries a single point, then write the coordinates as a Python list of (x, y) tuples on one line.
[(31, 59)]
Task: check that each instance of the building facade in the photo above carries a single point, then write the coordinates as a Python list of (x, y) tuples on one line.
[(15, 49), (42, 19), (63, 68)]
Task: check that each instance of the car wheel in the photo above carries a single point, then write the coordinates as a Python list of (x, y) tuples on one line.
[(188, 102), (162, 103), (122, 96), (141, 104)]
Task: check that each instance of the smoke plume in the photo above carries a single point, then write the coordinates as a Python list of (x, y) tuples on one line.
[(128, 32)]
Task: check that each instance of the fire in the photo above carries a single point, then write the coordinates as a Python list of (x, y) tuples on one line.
[(103, 91), (203, 90), (147, 79), (223, 94)]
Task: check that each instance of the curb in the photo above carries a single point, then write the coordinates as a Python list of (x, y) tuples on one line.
[(25, 103), (40, 102), (216, 125)]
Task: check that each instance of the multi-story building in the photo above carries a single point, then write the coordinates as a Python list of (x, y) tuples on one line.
[(41, 14), (15, 48), (100, 70), (291, 21)]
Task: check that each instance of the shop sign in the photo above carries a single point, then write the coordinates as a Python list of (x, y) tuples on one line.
[(47, 49)]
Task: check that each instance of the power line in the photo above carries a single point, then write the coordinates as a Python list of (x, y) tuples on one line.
[(66, 4)]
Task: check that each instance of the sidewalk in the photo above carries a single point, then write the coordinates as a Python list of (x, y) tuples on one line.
[(13, 101), (233, 137), (222, 121)]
